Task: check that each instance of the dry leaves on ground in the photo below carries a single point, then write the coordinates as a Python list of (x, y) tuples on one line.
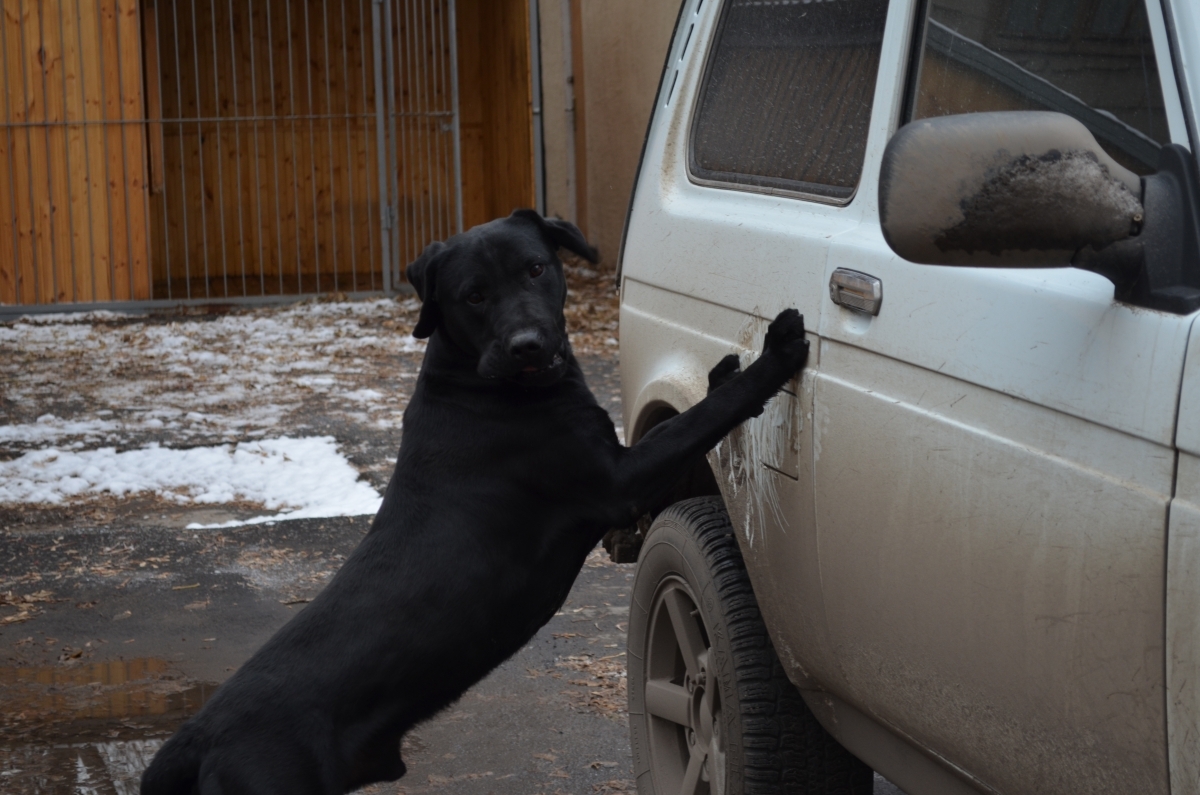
[(8, 598), (26, 605), (604, 682), (592, 307)]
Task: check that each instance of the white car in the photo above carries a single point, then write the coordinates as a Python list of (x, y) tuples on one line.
[(963, 549)]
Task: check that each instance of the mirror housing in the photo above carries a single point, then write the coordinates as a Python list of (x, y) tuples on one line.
[(1008, 189), (1033, 189)]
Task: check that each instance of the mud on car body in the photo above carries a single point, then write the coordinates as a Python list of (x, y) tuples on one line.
[(963, 548)]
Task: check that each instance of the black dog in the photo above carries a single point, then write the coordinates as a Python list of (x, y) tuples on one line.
[(509, 473)]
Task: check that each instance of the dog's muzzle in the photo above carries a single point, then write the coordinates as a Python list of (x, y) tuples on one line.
[(533, 359)]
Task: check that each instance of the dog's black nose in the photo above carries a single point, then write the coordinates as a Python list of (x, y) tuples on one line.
[(525, 344)]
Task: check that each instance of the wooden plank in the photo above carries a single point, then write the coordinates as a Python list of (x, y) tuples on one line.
[(10, 159), (50, 63), (150, 50), (320, 147), (133, 113), (268, 249), (95, 141), (172, 267), (475, 186), (209, 148), (114, 151), (579, 86), (8, 229), (245, 185), (444, 163), (362, 100), (228, 202), (310, 258), (17, 17), (77, 161), (509, 107), (495, 109), (159, 231), (67, 163), (285, 102), (39, 157)]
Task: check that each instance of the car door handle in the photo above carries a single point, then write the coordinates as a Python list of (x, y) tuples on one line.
[(854, 290)]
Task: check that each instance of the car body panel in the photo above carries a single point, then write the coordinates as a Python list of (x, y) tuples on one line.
[(1183, 589), (992, 575), (1183, 19), (956, 520), (1183, 630)]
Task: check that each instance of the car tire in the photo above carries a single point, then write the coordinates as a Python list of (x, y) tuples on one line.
[(694, 619)]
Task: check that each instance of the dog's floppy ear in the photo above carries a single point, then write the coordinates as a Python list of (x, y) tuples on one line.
[(422, 275), (563, 234)]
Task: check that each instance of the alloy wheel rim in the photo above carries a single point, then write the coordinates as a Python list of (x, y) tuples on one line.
[(683, 705)]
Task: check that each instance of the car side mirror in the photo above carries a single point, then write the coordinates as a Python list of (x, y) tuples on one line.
[(1021, 189)]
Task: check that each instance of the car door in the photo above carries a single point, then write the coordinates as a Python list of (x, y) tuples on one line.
[(752, 168), (993, 452)]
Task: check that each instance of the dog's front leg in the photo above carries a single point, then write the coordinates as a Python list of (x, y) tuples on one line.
[(653, 464)]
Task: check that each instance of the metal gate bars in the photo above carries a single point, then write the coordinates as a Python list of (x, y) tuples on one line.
[(420, 118), (192, 150)]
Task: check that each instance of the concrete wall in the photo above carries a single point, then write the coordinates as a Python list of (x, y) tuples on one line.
[(614, 49)]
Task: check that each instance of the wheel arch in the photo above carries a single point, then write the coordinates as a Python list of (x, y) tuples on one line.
[(696, 481)]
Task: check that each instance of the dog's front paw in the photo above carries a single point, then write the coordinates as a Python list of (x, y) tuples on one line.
[(785, 339), (724, 372)]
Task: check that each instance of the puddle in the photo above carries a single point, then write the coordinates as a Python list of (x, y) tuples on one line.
[(90, 728)]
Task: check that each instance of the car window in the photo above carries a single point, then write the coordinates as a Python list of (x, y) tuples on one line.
[(1091, 59), (787, 93)]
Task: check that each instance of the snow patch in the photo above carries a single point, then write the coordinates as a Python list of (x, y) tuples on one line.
[(297, 478)]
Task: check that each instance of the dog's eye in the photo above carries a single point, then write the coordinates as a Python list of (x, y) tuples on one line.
[(475, 298), (537, 270)]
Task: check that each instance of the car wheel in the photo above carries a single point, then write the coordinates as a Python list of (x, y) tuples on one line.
[(711, 711)]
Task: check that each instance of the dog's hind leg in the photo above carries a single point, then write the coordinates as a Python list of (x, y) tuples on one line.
[(378, 761), (262, 770)]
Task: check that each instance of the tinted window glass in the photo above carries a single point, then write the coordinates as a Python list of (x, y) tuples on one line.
[(787, 96), (1091, 59)]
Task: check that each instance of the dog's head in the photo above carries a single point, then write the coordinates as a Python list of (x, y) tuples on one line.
[(497, 293)]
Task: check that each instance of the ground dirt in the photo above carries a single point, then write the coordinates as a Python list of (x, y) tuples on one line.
[(119, 617), (116, 621)]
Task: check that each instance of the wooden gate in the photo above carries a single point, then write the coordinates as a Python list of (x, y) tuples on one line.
[(233, 150)]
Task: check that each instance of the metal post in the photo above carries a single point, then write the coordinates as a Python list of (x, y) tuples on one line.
[(220, 208), (569, 80), (393, 263), (262, 266), (187, 258), (200, 149), (366, 131), (312, 150), (535, 71), (381, 141), (237, 135), (458, 198), (349, 153)]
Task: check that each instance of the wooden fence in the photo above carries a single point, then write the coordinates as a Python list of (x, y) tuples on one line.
[(226, 149)]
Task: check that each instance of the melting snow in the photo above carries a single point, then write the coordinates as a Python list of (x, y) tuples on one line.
[(297, 478)]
